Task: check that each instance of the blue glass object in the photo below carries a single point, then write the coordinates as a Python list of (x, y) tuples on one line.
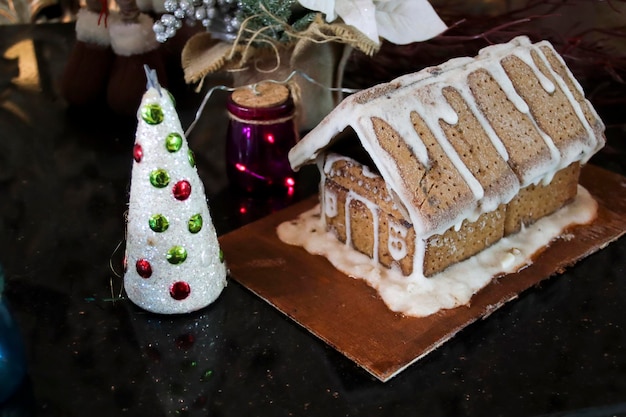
[(12, 359)]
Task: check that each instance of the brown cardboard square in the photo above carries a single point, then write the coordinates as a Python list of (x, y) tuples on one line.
[(350, 316)]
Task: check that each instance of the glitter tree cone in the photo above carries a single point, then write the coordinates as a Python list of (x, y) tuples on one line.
[(174, 263)]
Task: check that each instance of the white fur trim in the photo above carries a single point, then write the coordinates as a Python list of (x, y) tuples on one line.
[(89, 31), (132, 38)]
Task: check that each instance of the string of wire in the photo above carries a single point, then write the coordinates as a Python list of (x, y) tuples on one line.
[(287, 80)]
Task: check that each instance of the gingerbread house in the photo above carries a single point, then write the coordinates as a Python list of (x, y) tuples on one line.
[(431, 168)]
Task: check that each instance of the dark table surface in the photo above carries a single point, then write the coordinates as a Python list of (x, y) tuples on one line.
[(559, 349)]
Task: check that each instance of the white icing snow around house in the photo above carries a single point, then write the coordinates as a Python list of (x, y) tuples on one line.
[(454, 287)]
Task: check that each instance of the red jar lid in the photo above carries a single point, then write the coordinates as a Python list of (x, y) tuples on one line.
[(267, 101)]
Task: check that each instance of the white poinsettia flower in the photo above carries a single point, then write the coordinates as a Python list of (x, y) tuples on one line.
[(326, 7), (361, 14), (398, 21)]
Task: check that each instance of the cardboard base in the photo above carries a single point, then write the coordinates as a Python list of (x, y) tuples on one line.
[(350, 316)]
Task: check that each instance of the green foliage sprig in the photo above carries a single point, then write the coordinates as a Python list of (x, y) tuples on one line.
[(275, 19)]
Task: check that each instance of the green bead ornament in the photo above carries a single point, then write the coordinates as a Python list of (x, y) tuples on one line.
[(173, 142), (159, 178), (158, 223), (152, 114), (206, 375), (192, 158), (176, 255), (195, 223)]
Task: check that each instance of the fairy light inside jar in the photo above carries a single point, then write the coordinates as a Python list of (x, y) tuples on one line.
[(260, 134)]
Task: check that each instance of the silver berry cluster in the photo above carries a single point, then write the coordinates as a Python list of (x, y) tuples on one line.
[(222, 15)]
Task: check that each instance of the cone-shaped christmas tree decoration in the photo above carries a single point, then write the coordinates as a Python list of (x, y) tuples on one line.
[(174, 262)]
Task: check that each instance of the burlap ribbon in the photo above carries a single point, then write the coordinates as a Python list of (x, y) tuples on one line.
[(203, 54)]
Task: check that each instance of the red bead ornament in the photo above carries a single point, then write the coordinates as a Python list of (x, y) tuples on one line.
[(182, 190), (144, 269), (180, 290), (137, 152)]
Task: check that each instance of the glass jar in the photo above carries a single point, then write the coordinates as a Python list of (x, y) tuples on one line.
[(260, 134)]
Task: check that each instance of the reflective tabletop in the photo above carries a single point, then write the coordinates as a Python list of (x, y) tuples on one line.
[(559, 349)]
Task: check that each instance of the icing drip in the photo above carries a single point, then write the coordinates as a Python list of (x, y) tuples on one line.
[(526, 57), (586, 150), (498, 73), (430, 103), (600, 125), (535, 174), (467, 95), (405, 130)]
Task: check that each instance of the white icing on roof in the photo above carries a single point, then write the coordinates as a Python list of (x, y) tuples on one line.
[(422, 92)]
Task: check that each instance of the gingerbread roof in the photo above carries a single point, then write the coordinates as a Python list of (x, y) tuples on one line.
[(457, 140)]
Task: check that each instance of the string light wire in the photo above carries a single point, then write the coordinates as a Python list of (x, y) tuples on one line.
[(287, 80)]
